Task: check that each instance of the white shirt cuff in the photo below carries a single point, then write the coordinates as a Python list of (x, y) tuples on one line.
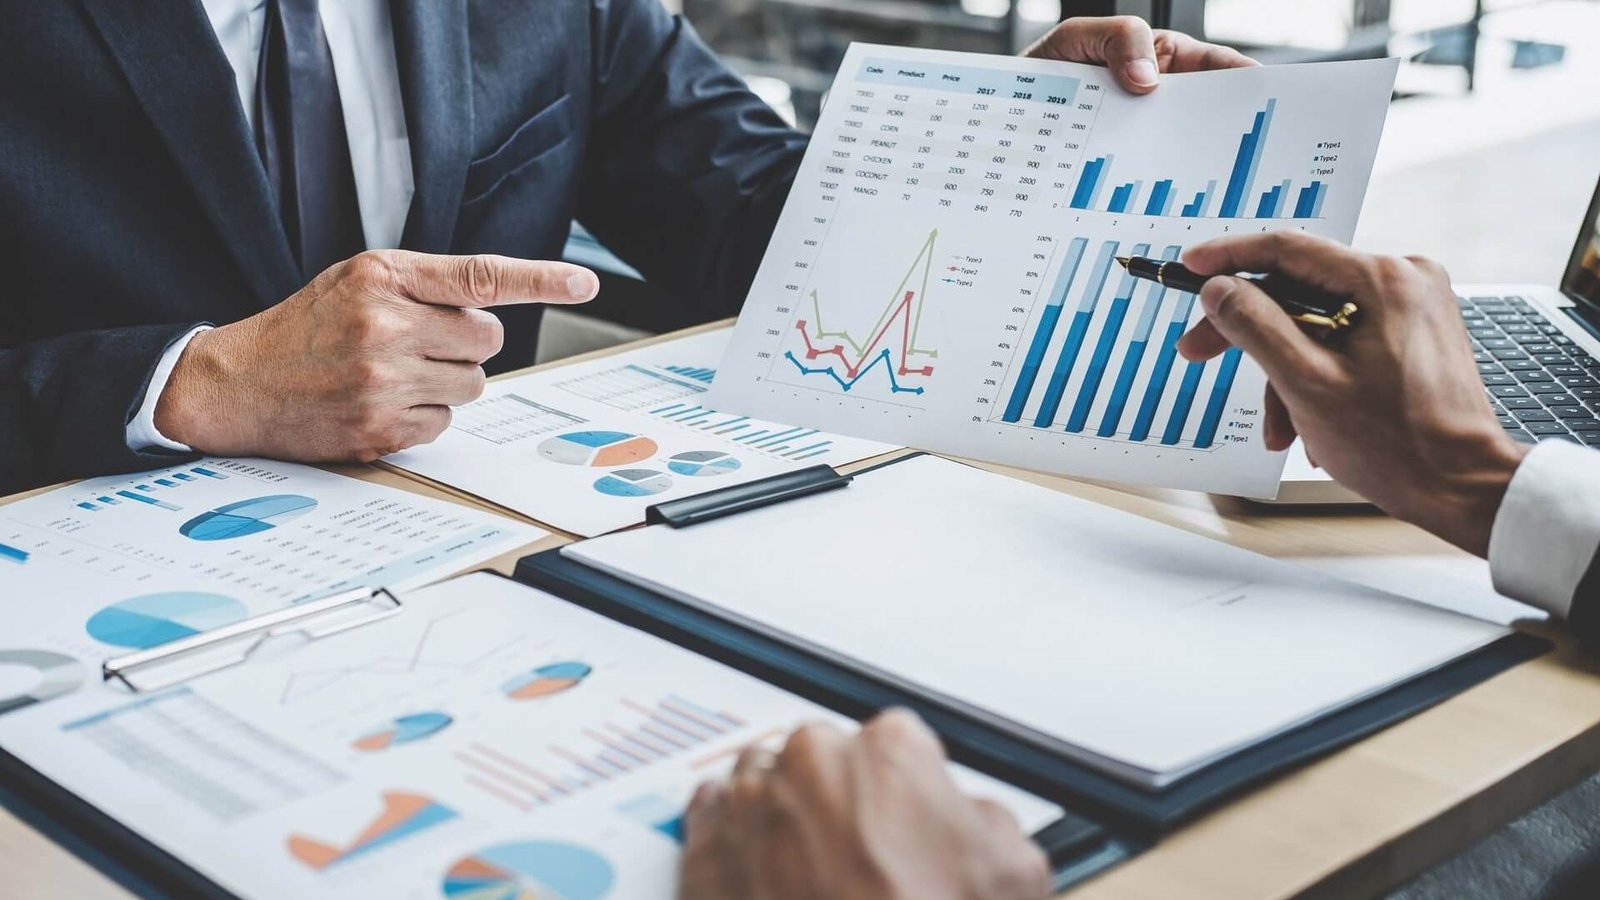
[(1548, 527), (142, 432)]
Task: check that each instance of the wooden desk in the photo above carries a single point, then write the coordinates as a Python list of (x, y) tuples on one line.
[(1353, 824)]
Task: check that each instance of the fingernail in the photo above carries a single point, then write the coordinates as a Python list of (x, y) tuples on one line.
[(1142, 72), (1213, 292), (583, 285)]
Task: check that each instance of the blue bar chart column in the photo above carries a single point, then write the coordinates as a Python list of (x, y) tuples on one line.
[(1080, 325), (1045, 330), (1102, 349), (1134, 356), (1183, 403), (1163, 367), (1218, 403)]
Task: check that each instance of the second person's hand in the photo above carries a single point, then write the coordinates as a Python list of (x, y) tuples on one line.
[(1393, 408), (874, 816), (1135, 54), (365, 360)]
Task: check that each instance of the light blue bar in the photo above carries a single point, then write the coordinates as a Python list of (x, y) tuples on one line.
[(778, 436), (15, 554), (1185, 402), (1100, 181), (1218, 403), (150, 500), (749, 437), (1135, 355), (788, 440), (666, 409), (1210, 195), (1260, 148), (1103, 347), (166, 482), (1056, 89), (811, 455), (735, 428), (209, 474), (810, 448), (1316, 205), (682, 414), (1074, 344), (109, 501), (1277, 204), (89, 506), (1045, 330)]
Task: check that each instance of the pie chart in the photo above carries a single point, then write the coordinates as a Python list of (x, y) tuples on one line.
[(547, 680), (703, 463), (246, 517), (633, 483), (143, 622), (34, 676), (530, 870), (597, 448), (403, 730)]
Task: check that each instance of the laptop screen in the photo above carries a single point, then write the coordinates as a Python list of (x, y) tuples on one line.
[(1582, 279)]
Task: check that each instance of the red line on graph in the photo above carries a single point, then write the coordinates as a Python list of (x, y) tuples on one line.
[(903, 309)]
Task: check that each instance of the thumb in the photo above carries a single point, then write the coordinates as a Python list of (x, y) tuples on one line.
[(1251, 321)]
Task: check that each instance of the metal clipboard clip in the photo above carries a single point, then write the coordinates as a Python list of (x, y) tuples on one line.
[(201, 654)]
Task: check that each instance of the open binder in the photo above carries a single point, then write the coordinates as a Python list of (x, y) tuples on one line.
[(1124, 816)]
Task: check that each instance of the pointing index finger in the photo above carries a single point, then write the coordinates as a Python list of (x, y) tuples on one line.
[(485, 280)]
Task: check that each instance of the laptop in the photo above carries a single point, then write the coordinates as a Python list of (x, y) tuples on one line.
[(1538, 350)]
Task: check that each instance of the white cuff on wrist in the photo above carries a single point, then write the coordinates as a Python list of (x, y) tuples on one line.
[(142, 433)]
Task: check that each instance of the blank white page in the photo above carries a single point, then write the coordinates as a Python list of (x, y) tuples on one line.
[(1134, 646)]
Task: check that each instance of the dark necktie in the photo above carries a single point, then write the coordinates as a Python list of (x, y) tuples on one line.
[(300, 134)]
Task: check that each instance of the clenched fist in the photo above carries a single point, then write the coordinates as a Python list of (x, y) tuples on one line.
[(365, 360)]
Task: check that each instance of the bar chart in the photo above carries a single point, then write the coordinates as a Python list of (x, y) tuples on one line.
[(1102, 380), (1239, 198)]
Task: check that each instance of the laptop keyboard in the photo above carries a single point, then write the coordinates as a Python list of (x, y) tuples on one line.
[(1542, 386)]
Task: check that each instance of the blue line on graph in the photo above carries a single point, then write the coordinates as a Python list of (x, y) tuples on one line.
[(894, 386)]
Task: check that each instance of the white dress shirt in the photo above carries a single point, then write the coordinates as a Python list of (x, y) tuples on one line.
[(361, 40)]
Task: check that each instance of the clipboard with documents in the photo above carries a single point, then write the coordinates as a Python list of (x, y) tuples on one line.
[(475, 734), (1136, 671)]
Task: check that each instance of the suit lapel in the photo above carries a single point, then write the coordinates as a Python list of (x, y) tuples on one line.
[(177, 70), (431, 48)]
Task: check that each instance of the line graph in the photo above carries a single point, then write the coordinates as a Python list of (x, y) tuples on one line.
[(420, 660), (899, 324)]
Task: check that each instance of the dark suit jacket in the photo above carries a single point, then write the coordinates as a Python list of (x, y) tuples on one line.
[(133, 205)]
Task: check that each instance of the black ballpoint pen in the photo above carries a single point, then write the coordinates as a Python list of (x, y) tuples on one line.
[(1303, 303)]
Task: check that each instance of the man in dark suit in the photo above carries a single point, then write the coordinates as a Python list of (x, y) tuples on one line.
[(169, 166), (143, 198)]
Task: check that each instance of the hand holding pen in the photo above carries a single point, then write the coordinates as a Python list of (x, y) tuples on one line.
[(1305, 303), (1395, 409)]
